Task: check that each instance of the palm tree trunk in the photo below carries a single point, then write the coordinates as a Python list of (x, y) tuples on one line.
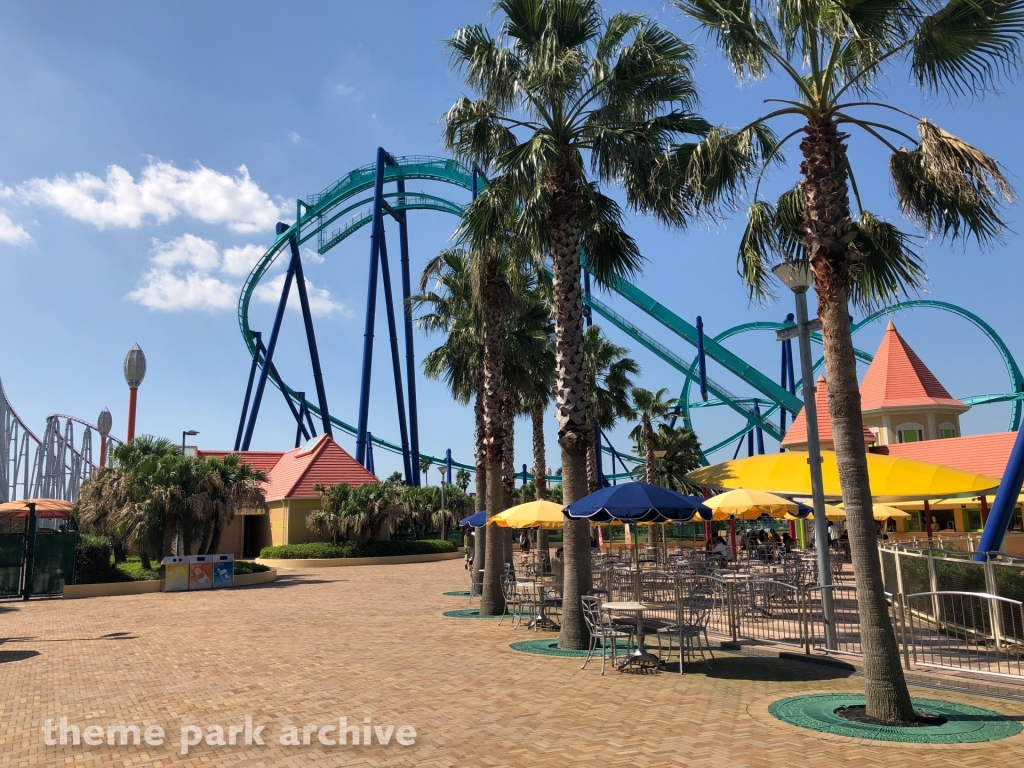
[(144, 559), (827, 215), (593, 477), (652, 460), (540, 470), (491, 600), (480, 497), (508, 464), (570, 400), (214, 544)]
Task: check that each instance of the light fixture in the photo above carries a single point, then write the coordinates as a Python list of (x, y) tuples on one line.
[(796, 275), (135, 367)]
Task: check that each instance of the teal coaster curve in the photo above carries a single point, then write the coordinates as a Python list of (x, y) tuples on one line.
[(964, 724), (468, 613), (549, 647)]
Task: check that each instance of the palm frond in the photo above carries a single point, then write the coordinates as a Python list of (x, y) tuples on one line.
[(757, 248), (742, 34), (609, 253), (967, 46), (723, 163), (885, 264)]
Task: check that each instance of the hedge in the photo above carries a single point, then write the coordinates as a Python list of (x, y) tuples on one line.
[(243, 567), (316, 550), (94, 561)]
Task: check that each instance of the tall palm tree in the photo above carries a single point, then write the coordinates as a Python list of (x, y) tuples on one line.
[(682, 455), (834, 56), (241, 489), (607, 371), (649, 406), (562, 90)]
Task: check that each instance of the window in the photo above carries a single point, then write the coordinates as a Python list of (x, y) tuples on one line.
[(909, 432), (947, 430)]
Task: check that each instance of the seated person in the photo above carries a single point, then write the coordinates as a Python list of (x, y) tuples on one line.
[(721, 551)]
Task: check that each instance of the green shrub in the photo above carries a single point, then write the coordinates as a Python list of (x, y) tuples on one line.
[(243, 567), (132, 570), (317, 550), (94, 561)]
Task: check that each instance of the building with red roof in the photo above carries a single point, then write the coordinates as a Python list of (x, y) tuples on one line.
[(289, 491), (796, 438)]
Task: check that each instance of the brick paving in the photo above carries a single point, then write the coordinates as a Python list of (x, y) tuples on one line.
[(371, 642)]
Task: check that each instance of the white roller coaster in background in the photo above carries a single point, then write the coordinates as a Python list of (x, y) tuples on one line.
[(50, 468)]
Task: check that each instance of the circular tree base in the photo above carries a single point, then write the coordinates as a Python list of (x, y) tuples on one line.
[(943, 722), (468, 613), (549, 647), (456, 594)]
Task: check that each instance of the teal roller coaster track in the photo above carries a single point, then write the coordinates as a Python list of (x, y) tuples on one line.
[(343, 208)]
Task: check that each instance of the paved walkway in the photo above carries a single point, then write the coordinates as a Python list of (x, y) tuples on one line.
[(370, 642)]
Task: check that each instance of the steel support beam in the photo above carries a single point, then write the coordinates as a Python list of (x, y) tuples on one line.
[(314, 355), (248, 387), (396, 361), (410, 352)]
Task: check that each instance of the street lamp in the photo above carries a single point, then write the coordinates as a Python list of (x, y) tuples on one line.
[(134, 373), (184, 433), (103, 424), (444, 528), (798, 278)]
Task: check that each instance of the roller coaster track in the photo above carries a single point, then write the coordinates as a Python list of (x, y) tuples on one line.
[(47, 468), (340, 210)]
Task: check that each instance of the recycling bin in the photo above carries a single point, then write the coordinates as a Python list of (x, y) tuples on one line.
[(223, 571), (176, 571), (200, 572)]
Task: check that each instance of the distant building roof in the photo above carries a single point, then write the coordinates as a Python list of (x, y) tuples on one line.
[(984, 454), (897, 378), (292, 474), (797, 434)]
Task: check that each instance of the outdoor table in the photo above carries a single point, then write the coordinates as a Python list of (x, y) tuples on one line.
[(542, 618), (641, 657)]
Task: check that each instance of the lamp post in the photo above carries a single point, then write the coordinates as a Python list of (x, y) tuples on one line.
[(103, 424), (134, 373), (798, 278), (184, 433), (444, 528)]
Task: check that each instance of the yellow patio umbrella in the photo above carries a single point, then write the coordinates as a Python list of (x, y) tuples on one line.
[(532, 514), (878, 511), (832, 512), (892, 478), (746, 504)]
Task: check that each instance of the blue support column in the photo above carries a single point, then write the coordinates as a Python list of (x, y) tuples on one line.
[(248, 388), (524, 474), (757, 430), (271, 346), (750, 443), (376, 227), (410, 352), (396, 361), (702, 365), (1006, 499), (447, 463), (369, 454), (307, 319)]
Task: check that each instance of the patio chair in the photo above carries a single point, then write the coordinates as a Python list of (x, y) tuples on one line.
[(515, 601), (604, 630), (694, 614)]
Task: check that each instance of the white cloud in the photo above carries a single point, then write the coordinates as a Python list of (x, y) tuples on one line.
[(309, 256), (294, 136), (187, 249), (11, 233), (190, 273), (343, 89), (164, 290), (320, 302), (240, 261), (162, 193)]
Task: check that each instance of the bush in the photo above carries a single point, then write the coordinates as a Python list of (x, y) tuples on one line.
[(93, 561), (322, 550), (132, 570), (243, 567)]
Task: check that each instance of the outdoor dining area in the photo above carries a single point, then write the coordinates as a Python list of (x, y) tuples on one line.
[(757, 574)]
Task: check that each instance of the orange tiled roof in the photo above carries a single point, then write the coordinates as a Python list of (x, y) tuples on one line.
[(984, 454), (321, 460), (897, 378), (797, 434), (294, 473)]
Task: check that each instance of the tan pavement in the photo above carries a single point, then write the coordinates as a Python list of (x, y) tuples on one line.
[(370, 642)]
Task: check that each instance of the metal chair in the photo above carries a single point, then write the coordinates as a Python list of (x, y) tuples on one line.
[(603, 629), (693, 615)]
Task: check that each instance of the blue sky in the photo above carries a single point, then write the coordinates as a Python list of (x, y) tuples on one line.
[(148, 150)]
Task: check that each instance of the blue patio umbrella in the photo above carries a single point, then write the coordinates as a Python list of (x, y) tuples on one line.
[(477, 520), (637, 503)]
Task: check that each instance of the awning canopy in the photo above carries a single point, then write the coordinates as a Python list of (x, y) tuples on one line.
[(45, 508)]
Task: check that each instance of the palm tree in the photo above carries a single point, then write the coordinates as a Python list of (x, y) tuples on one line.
[(649, 407), (559, 90), (462, 478), (682, 455), (833, 56), (425, 465), (608, 384), (242, 489)]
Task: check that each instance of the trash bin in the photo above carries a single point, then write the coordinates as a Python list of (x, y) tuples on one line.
[(175, 574), (223, 571), (200, 572)]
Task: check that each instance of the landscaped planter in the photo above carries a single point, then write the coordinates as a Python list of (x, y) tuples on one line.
[(75, 591), (337, 562)]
